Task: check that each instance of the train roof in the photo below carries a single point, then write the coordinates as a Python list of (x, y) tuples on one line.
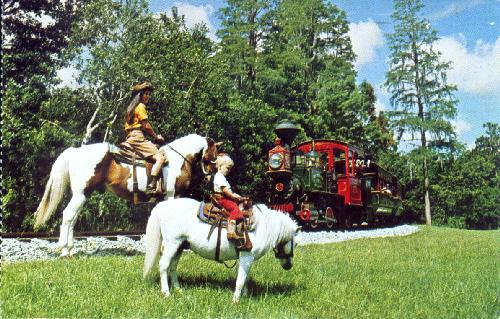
[(321, 143), (318, 142)]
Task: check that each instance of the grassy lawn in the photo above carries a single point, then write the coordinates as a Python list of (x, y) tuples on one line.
[(435, 273)]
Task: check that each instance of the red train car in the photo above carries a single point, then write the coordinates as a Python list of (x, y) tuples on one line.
[(329, 182)]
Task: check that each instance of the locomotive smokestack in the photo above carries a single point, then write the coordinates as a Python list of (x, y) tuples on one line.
[(287, 131)]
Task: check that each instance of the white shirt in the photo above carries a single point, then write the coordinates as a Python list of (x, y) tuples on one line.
[(219, 182)]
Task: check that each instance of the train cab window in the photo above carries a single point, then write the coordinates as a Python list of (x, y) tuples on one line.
[(324, 161), (339, 161)]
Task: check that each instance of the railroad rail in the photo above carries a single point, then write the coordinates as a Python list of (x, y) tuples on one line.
[(78, 235)]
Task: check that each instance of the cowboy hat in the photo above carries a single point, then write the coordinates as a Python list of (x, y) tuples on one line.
[(141, 87)]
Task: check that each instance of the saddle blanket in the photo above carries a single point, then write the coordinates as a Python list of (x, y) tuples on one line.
[(209, 220)]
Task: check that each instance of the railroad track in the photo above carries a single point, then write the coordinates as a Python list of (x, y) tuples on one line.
[(111, 235)]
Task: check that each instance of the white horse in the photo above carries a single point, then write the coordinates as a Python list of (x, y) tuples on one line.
[(92, 167), (176, 223)]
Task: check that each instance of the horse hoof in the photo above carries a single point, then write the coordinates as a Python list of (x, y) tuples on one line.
[(166, 294), (64, 253)]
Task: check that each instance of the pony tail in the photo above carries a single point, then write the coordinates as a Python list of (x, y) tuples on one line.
[(129, 114), (152, 242)]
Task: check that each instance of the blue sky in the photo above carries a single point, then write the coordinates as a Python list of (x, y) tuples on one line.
[(470, 39)]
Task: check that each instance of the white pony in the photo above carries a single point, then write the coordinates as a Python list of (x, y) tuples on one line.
[(176, 223), (92, 167)]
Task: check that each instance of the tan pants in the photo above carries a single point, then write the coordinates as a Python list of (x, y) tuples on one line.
[(146, 148), (143, 146)]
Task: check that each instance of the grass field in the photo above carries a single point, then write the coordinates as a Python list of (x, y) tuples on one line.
[(435, 273)]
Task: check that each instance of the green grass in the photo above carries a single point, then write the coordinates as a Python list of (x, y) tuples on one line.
[(435, 273)]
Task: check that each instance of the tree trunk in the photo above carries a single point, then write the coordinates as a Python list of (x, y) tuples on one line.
[(421, 115), (427, 196)]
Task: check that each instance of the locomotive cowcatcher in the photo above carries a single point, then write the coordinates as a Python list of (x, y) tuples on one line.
[(329, 182)]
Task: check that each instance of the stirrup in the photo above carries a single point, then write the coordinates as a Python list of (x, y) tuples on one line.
[(151, 190)]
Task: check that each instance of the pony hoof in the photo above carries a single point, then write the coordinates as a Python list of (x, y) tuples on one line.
[(236, 300), (166, 294), (64, 253)]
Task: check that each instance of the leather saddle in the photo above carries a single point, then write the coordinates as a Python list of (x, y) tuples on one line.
[(215, 215), (125, 154)]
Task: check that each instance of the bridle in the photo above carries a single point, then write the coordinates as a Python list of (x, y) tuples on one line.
[(279, 251), (202, 161)]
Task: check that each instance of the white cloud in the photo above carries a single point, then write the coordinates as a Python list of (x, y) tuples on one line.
[(68, 77), (454, 9), (197, 14), (461, 126), (475, 71), (366, 37), (380, 106)]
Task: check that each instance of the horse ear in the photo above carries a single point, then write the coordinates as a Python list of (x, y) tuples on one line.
[(210, 142), (218, 144)]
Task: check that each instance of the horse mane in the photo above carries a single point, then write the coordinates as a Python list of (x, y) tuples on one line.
[(276, 225), (189, 144)]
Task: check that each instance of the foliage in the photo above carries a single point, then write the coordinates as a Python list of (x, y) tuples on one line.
[(435, 273), (276, 59), (417, 81), (465, 184)]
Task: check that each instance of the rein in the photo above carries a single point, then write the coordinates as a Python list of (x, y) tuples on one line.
[(190, 163), (173, 149)]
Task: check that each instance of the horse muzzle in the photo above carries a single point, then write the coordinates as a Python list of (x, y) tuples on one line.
[(286, 264)]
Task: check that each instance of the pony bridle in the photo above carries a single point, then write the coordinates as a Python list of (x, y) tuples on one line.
[(279, 251), (206, 162)]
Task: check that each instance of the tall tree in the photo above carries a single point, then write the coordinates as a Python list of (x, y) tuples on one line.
[(422, 98), (241, 33), (35, 36)]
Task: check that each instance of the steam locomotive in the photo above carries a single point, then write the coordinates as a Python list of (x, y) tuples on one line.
[(329, 183)]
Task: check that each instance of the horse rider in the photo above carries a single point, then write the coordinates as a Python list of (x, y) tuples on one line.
[(137, 126), (226, 197)]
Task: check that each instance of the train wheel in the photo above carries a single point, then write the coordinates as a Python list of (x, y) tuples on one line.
[(314, 224), (347, 221), (329, 214)]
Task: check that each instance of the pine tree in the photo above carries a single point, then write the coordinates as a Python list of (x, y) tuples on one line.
[(241, 33), (422, 99)]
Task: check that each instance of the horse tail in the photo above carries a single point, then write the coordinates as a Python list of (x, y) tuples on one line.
[(153, 242), (55, 188)]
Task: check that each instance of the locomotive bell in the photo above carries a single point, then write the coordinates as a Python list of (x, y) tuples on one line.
[(287, 131)]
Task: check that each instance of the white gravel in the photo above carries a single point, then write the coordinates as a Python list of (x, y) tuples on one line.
[(39, 249)]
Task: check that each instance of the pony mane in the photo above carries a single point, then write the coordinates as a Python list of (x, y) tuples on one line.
[(278, 225)]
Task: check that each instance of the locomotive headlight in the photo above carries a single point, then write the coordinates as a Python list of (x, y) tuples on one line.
[(275, 161)]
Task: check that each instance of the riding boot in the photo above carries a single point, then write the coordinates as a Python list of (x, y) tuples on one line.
[(231, 230), (151, 188)]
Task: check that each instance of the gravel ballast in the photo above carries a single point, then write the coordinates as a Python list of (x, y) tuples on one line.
[(40, 249)]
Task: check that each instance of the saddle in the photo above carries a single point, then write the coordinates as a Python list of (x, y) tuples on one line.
[(215, 215), (125, 154)]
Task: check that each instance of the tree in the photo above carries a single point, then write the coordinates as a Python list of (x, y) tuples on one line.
[(423, 100), (242, 30), (35, 37)]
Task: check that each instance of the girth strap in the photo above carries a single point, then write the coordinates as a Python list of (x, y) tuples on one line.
[(135, 187), (217, 247)]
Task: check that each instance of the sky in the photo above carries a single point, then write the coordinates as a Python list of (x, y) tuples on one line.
[(469, 32)]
